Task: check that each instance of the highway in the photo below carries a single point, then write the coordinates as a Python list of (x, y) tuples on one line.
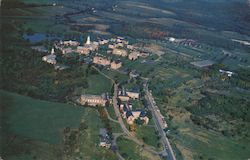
[(159, 122)]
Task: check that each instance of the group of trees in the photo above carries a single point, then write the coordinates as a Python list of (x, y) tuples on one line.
[(105, 120), (72, 139), (223, 108)]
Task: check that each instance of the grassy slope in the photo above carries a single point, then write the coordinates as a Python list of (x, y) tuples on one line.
[(32, 128), (130, 152), (98, 84), (210, 144), (38, 119)]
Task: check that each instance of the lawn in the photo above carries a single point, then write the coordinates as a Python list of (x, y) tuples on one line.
[(137, 104), (116, 75), (111, 111), (98, 84)]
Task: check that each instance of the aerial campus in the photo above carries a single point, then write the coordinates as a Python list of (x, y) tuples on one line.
[(127, 80)]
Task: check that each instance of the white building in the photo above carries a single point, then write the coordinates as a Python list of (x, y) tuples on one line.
[(229, 73), (51, 58)]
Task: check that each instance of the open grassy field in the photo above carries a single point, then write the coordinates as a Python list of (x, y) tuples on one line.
[(197, 143), (98, 84), (32, 129), (148, 135), (131, 151)]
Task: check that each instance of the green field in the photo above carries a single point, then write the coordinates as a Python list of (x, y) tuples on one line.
[(195, 143), (33, 128), (128, 149), (98, 84), (147, 134)]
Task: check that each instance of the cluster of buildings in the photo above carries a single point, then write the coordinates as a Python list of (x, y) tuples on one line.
[(116, 46), (126, 108), (73, 46), (87, 47), (131, 115), (120, 47)]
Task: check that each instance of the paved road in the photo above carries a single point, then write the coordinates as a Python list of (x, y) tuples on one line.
[(109, 117), (116, 135), (159, 124)]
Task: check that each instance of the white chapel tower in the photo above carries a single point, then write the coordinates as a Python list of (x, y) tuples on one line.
[(52, 51), (88, 41)]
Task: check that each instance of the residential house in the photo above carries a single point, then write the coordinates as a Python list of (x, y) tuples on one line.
[(105, 140)]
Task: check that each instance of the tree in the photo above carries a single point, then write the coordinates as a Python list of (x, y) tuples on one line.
[(149, 114), (139, 121), (83, 126), (132, 127), (30, 31)]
